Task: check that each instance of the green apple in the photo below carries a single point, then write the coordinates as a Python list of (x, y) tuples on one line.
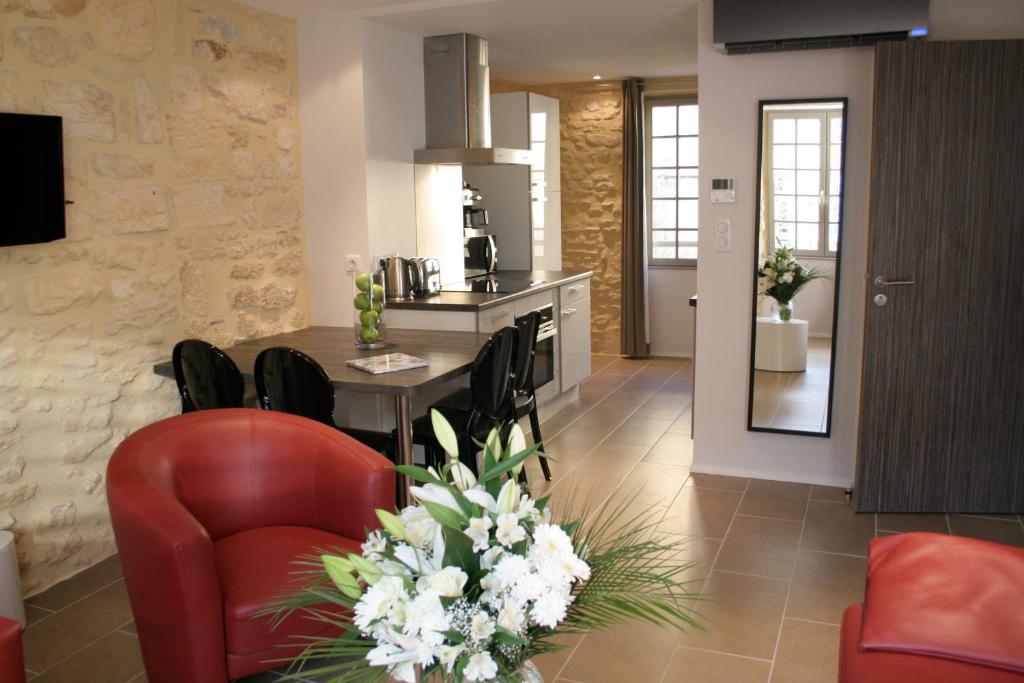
[(363, 282), (378, 292), (378, 306), (362, 301), (368, 334), (369, 318)]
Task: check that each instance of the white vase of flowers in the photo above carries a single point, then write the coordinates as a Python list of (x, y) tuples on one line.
[(782, 277)]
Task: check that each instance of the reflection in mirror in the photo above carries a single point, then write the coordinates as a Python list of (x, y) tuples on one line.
[(796, 281)]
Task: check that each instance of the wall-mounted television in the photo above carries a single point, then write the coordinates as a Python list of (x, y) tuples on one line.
[(31, 179)]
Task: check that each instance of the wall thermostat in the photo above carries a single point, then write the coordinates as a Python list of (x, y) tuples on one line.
[(723, 190)]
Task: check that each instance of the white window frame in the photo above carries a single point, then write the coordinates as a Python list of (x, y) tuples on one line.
[(649, 104), (825, 194)]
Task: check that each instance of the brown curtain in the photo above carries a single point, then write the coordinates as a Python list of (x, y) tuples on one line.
[(635, 340)]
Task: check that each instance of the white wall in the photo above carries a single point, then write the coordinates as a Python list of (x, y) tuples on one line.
[(730, 87), (669, 315)]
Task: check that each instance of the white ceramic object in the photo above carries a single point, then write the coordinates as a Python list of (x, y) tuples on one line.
[(781, 346)]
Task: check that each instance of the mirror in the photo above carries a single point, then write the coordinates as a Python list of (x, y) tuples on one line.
[(801, 154)]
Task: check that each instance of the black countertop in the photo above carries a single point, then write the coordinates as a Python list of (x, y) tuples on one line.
[(478, 301)]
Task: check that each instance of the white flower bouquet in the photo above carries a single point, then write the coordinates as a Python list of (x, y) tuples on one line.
[(782, 277), (475, 579)]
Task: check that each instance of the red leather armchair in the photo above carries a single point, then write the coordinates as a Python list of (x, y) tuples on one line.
[(12, 659), (937, 609), (210, 508)]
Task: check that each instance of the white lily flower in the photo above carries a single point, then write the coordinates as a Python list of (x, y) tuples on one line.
[(508, 497), (481, 667), (479, 532), (517, 444), (494, 443), (481, 498), (433, 493), (509, 532), (462, 476)]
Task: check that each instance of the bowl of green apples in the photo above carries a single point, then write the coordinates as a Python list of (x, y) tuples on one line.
[(369, 302)]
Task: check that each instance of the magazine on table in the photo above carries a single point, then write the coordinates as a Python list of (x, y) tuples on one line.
[(389, 362)]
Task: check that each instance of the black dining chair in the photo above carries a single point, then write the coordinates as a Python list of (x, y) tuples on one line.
[(289, 381), (491, 383), (524, 393), (207, 378)]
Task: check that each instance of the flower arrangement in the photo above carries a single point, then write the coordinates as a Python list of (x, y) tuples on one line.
[(782, 277), (476, 578)]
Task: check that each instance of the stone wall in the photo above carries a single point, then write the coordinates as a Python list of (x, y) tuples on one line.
[(591, 131), (181, 154)]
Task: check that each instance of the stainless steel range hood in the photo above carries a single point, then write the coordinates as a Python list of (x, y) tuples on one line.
[(458, 105)]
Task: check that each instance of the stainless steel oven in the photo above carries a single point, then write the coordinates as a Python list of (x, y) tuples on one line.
[(544, 359)]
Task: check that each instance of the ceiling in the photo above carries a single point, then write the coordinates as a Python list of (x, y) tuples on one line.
[(543, 41)]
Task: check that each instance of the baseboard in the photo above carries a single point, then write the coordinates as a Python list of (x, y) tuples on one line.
[(795, 477)]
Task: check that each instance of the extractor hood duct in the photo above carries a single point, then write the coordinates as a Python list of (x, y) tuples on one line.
[(458, 104)]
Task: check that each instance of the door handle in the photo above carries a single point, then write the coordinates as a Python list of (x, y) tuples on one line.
[(880, 281), (566, 312)]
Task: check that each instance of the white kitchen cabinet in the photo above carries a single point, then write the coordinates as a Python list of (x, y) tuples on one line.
[(496, 317), (574, 336)]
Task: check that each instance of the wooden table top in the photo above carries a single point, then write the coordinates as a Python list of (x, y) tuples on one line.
[(448, 355)]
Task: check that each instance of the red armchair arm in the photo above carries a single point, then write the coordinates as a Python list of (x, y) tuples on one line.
[(12, 659), (169, 568)]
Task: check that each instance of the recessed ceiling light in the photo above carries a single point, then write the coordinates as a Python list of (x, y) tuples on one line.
[(597, 77)]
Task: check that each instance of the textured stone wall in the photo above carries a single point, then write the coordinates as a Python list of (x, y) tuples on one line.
[(181, 154), (591, 131)]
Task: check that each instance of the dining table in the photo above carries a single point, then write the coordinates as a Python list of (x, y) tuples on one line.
[(447, 354)]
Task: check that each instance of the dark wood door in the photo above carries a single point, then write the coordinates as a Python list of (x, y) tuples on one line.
[(942, 405)]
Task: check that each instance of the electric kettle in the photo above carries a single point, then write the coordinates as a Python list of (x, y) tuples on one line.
[(401, 278)]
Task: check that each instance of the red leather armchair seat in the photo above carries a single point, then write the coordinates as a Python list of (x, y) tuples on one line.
[(210, 508), (12, 658), (937, 609)]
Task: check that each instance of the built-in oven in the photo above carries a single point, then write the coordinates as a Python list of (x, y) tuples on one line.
[(544, 359)]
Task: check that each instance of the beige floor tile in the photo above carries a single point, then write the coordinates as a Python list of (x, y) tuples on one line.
[(987, 529), (34, 614), (808, 653), (642, 431), (824, 585), (777, 499), (666, 407), (614, 459), (717, 481), (74, 627), (672, 449), (701, 512), (551, 663), (635, 652), (836, 528), (581, 438), (701, 552), (655, 484), (115, 657), (833, 494), (741, 616), (907, 522), (79, 586), (683, 423), (715, 667), (766, 547)]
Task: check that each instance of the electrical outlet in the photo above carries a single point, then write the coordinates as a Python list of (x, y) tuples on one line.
[(353, 263), (723, 235)]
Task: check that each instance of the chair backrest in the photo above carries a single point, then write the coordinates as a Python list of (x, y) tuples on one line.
[(207, 378), (492, 378), (527, 325), (289, 381)]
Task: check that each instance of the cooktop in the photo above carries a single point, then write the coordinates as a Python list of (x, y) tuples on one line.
[(495, 283)]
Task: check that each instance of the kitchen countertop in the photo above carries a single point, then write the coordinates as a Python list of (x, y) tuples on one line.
[(478, 301)]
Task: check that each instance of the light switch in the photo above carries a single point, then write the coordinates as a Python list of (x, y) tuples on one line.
[(723, 235)]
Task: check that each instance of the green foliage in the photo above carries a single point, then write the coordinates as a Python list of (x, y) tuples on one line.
[(782, 276)]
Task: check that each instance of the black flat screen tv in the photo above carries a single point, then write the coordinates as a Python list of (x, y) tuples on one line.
[(31, 179)]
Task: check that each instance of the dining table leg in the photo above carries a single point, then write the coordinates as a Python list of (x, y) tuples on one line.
[(403, 421)]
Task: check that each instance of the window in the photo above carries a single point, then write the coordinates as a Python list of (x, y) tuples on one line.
[(804, 153), (672, 194)]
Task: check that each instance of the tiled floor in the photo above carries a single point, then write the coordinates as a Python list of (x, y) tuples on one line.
[(779, 561), (795, 400)]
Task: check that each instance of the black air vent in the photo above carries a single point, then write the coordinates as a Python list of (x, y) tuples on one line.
[(865, 40)]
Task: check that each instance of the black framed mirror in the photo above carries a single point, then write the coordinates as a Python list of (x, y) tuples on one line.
[(799, 234)]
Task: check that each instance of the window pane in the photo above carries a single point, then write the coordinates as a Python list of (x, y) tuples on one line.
[(687, 237), (538, 250), (808, 182), (783, 130), (538, 155), (663, 152), (784, 156), (833, 237), (808, 156), (833, 210), (664, 237), (664, 214), (785, 208), (836, 122), (688, 214), (784, 234), (807, 209), (688, 119), (538, 126), (537, 212), (538, 235), (687, 151), (836, 158), (833, 182), (784, 181), (688, 183), (665, 252), (808, 130), (663, 121), (807, 236), (688, 252), (663, 182)]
